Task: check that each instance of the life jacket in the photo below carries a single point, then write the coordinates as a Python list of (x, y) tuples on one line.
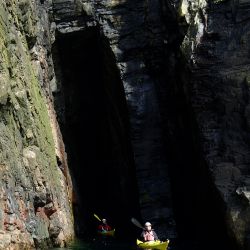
[(148, 236), (104, 227)]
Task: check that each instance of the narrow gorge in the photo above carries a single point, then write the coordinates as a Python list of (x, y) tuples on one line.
[(125, 108)]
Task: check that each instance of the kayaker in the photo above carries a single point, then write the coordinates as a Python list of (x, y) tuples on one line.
[(148, 233), (104, 226)]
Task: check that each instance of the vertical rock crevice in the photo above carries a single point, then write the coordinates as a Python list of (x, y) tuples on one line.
[(94, 121)]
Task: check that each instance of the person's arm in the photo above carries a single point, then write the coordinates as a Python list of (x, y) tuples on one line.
[(142, 236), (155, 236)]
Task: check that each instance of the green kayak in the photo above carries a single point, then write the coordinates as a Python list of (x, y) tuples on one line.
[(161, 245), (107, 233)]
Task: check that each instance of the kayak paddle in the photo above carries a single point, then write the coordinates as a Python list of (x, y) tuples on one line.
[(136, 223), (97, 217)]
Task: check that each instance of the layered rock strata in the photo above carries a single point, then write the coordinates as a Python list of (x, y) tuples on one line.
[(35, 197), (217, 52)]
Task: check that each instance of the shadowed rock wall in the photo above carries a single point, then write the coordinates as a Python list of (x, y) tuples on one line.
[(134, 32), (94, 118), (217, 53)]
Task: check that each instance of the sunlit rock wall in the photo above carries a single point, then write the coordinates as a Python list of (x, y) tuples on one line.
[(216, 47), (35, 186)]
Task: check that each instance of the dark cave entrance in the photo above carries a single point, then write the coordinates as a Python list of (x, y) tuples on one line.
[(92, 113)]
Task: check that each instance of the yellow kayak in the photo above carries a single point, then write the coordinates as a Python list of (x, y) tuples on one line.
[(161, 245), (107, 233)]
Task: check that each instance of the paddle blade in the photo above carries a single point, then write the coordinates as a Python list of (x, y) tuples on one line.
[(136, 223), (97, 217)]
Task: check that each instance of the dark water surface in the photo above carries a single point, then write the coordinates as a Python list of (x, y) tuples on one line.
[(100, 244), (116, 244)]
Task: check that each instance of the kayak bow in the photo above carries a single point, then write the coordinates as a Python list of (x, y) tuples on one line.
[(107, 233), (161, 245)]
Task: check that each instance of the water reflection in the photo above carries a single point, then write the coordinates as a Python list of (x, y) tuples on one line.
[(100, 244), (117, 244)]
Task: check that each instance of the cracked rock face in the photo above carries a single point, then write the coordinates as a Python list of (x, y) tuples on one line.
[(134, 32), (35, 194), (216, 47)]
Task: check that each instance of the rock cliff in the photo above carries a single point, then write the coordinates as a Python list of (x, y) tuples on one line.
[(217, 53), (169, 77), (35, 204)]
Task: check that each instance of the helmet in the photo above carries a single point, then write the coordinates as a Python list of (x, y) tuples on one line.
[(104, 220), (147, 224)]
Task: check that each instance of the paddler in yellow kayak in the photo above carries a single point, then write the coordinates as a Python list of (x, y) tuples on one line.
[(148, 234)]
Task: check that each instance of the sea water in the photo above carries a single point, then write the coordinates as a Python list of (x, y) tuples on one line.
[(116, 244), (100, 244)]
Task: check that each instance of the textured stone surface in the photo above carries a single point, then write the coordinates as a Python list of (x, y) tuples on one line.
[(35, 193), (135, 34), (216, 47)]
